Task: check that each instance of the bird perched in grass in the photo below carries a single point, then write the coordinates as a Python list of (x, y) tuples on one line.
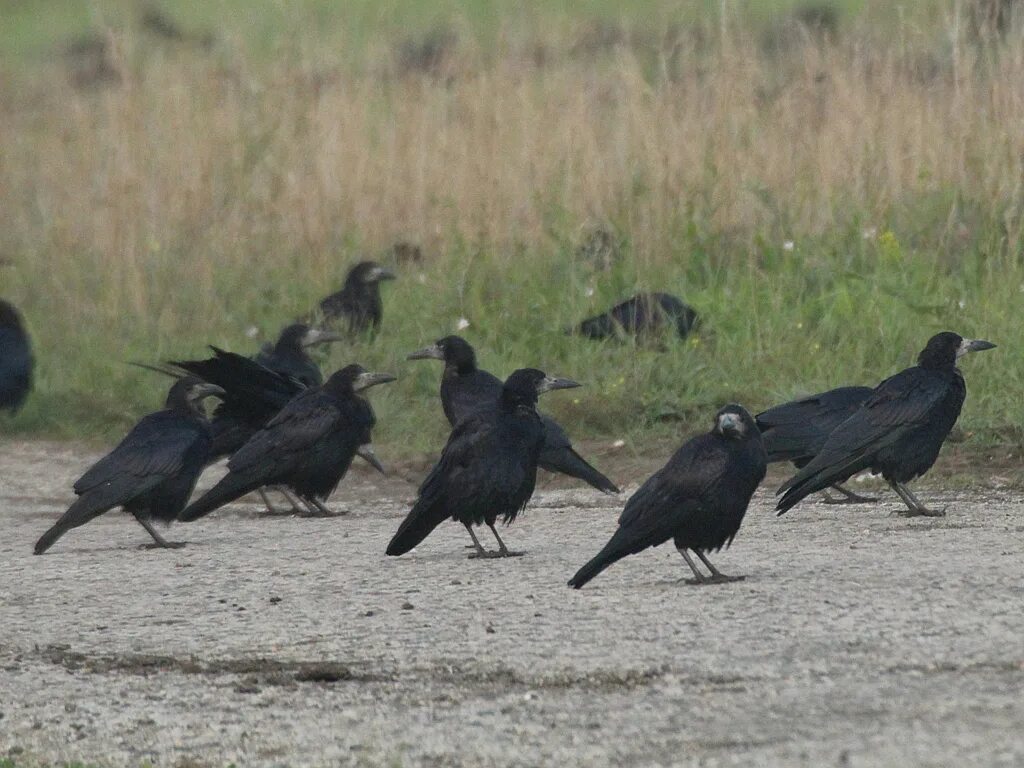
[(898, 430), (152, 472), (698, 499), (795, 431), (358, 303), (16, 361), (465, 387), (642, 315), (308, 446), (487, 469)]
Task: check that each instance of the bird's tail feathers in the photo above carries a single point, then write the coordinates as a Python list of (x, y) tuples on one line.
[(413, 530), (224, 492), (568, 462), (81, 512)]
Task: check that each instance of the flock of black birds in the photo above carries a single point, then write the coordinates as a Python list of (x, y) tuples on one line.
[(282, 426)]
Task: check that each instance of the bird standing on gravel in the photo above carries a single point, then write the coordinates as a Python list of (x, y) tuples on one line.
[(16, 362), (152, 472), (698, 499), (308, 446), (898, 430), (796, 431), (358, 302), (465, 387), (488, 468)]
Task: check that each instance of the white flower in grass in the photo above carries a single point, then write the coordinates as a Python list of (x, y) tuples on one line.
[(789, 245), (961, 303), (588, 291), (618, 444), (869, 233), (462, 324), (252, 332)]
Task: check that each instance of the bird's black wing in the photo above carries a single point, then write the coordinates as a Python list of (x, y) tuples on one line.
[(477, 473), (899, 405), (797, 430), (15, 367), (558, 455), (247, 384)]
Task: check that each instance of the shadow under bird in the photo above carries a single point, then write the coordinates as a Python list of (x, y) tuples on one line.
[(797, 430), (307, 447), (698, 499), (152, 472), (465, 388), (641, 315), (16, 361), (898, 431), (488, 468), (358, 302)]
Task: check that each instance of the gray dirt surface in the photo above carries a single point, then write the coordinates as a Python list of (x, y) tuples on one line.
[(859, 638)]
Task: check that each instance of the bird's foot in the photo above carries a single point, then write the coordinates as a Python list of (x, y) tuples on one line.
[(164, 545), (484, 554), (509, 553), (922, 512), (718, 578), (321, 514), (853, 498), (280, 513)]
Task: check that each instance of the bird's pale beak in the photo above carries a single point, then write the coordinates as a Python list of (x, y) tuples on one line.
[(974, 345), (367, 380), (382, 273), (202, 391), (730, 424), (320, 336), (549, 383), (367, 454), (433, 352)]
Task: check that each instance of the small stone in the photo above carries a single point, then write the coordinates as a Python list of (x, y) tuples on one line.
[(407, 606)]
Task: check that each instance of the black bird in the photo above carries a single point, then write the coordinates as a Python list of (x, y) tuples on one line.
[(464, 388), (796, 431), (488, 467), (288, 356), (641, 315), (899, 429), (358, 301), (152, 472), (16, 362), (307, 447), (698, 499)]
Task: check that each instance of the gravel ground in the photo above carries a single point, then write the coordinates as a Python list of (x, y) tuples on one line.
[(858, 638)]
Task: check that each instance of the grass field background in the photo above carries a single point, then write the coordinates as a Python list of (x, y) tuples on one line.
[(827, 184)]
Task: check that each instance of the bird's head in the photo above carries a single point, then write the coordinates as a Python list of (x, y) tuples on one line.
[(454, 350), (9, 316), (187, 394), (524, 385), (944, 349), (734, 422), (299, 336), (368, 273), (354, 378)]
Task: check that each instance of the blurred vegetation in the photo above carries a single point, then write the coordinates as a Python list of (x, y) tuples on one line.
[(828, 184)]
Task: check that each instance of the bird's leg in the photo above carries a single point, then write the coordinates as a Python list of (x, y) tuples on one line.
[(272, 511), (291, 498), (848, 496), (480, 551), (318, 509), (717, 577), (159, 542), (914, 507), (699, 578), (503, 551)]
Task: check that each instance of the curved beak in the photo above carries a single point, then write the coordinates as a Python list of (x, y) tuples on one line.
[(367, 380), (367, 454), (320, 336), (730, 424), (203, 391), (549, 383), (381, 273), (433, 352), (974, 345)]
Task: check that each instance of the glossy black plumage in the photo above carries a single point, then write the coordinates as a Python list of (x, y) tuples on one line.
[(16, 361), (488, 468), (643, 314), (358, 302), (698, 499), (307, 447), (465, 387), (152, 472), (898, 430), (288, 355)]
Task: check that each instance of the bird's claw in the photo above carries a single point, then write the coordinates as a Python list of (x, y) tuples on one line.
[(322, 515), (922, 512), (704, 581), (855, 499), (165, 545), (488, 555)]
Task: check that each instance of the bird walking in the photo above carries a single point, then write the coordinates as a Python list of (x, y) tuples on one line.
[(898, 431), (16, 361), (488, 468), (795, 431), (466, 387), (307, 447), (698, 499), (152, 472), (358, 303)]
